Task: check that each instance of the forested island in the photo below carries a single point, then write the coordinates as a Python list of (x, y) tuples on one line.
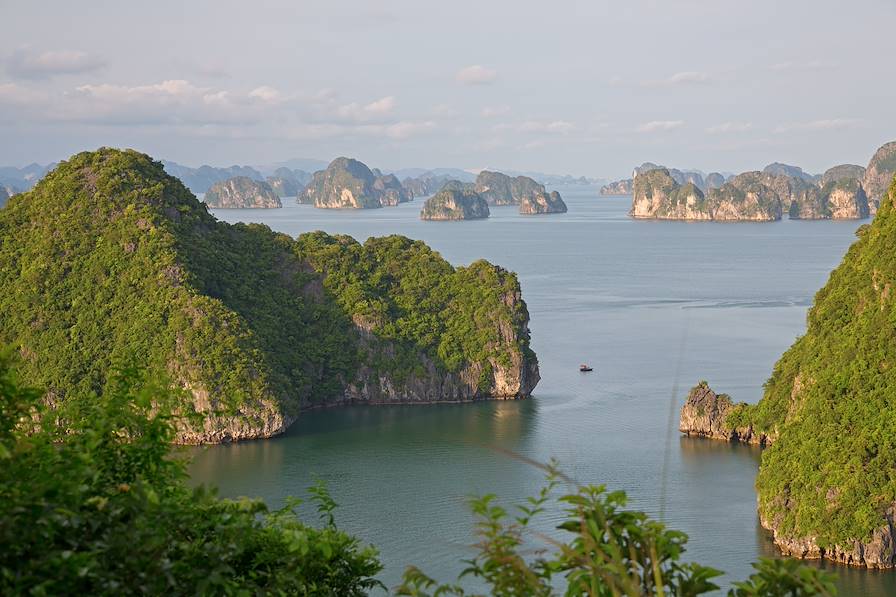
[(241, 192), (111, 260), (827, 482), (455, 202), (843, 192), (349, 184)]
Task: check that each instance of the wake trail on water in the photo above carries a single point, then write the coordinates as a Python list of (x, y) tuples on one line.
[(673, 402)]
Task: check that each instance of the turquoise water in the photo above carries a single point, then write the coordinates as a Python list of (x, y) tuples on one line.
[(645, 303)]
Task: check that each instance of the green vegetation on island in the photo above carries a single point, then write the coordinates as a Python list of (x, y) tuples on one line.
[(109, 259), (827, 482), (456, 201), (241, 192), (350, 184)]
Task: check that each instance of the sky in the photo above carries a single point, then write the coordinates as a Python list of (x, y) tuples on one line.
[(588, 88)]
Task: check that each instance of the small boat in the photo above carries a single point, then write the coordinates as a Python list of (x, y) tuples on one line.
[(585, 368)]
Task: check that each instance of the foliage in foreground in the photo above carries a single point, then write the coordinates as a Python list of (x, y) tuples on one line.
[(105, 509), (611, 552)]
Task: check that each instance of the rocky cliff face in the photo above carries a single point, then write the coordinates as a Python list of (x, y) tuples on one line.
[(241, 192), (714, 180), (657, 195), (390, 191), (779, 169), (455, 204), (841, 172), (4, 196), (283, 187), (879, 174), (620, 187), (425, 185), (878, 551), (508, 378), (543, 203), (350, 184), (499, 189), (705, 414), (844, 199)]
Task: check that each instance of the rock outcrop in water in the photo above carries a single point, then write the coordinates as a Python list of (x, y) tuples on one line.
[(499, 189), (425, 185), (705, 414), (658, 196), (455, 204), (252, 325), (350, 184), (620, 187), (241, 192), (543, 203), (879, 174)]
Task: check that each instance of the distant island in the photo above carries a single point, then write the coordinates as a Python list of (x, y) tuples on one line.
[(349, 184), (241, 192), (542, 203), (498, 188), (827, 482), (845, 191), (454, 202), (657, 195)]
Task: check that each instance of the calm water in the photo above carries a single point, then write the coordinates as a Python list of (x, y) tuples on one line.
[(639, 301)]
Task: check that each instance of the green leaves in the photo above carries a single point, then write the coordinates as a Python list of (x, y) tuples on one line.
[(93, 501), (605, 551)]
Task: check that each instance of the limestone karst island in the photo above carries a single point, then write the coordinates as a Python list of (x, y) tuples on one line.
[(447, 300)]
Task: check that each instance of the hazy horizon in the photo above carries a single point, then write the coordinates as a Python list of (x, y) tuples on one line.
[(582, 88)]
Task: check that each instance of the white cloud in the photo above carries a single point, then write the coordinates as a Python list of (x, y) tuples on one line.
[(492, 111), (476, 75), (363, 113), (730, 127), (555, 126), (659, 125), (28, 64), (265, 93), (178, 104), (687, 78), (820, 125), (405, 129)]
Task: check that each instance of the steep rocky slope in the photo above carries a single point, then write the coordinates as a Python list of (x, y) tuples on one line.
[(827, 483), (620, 187), (109, 262), (350, 184), (657, 195), (455, 204), (878, 174), (542, 203), (499, 189), (241, 192)]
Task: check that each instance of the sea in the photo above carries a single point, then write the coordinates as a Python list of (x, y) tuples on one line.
[(653, 307)]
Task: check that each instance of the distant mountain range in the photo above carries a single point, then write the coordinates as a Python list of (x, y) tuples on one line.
[(199, 179)]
